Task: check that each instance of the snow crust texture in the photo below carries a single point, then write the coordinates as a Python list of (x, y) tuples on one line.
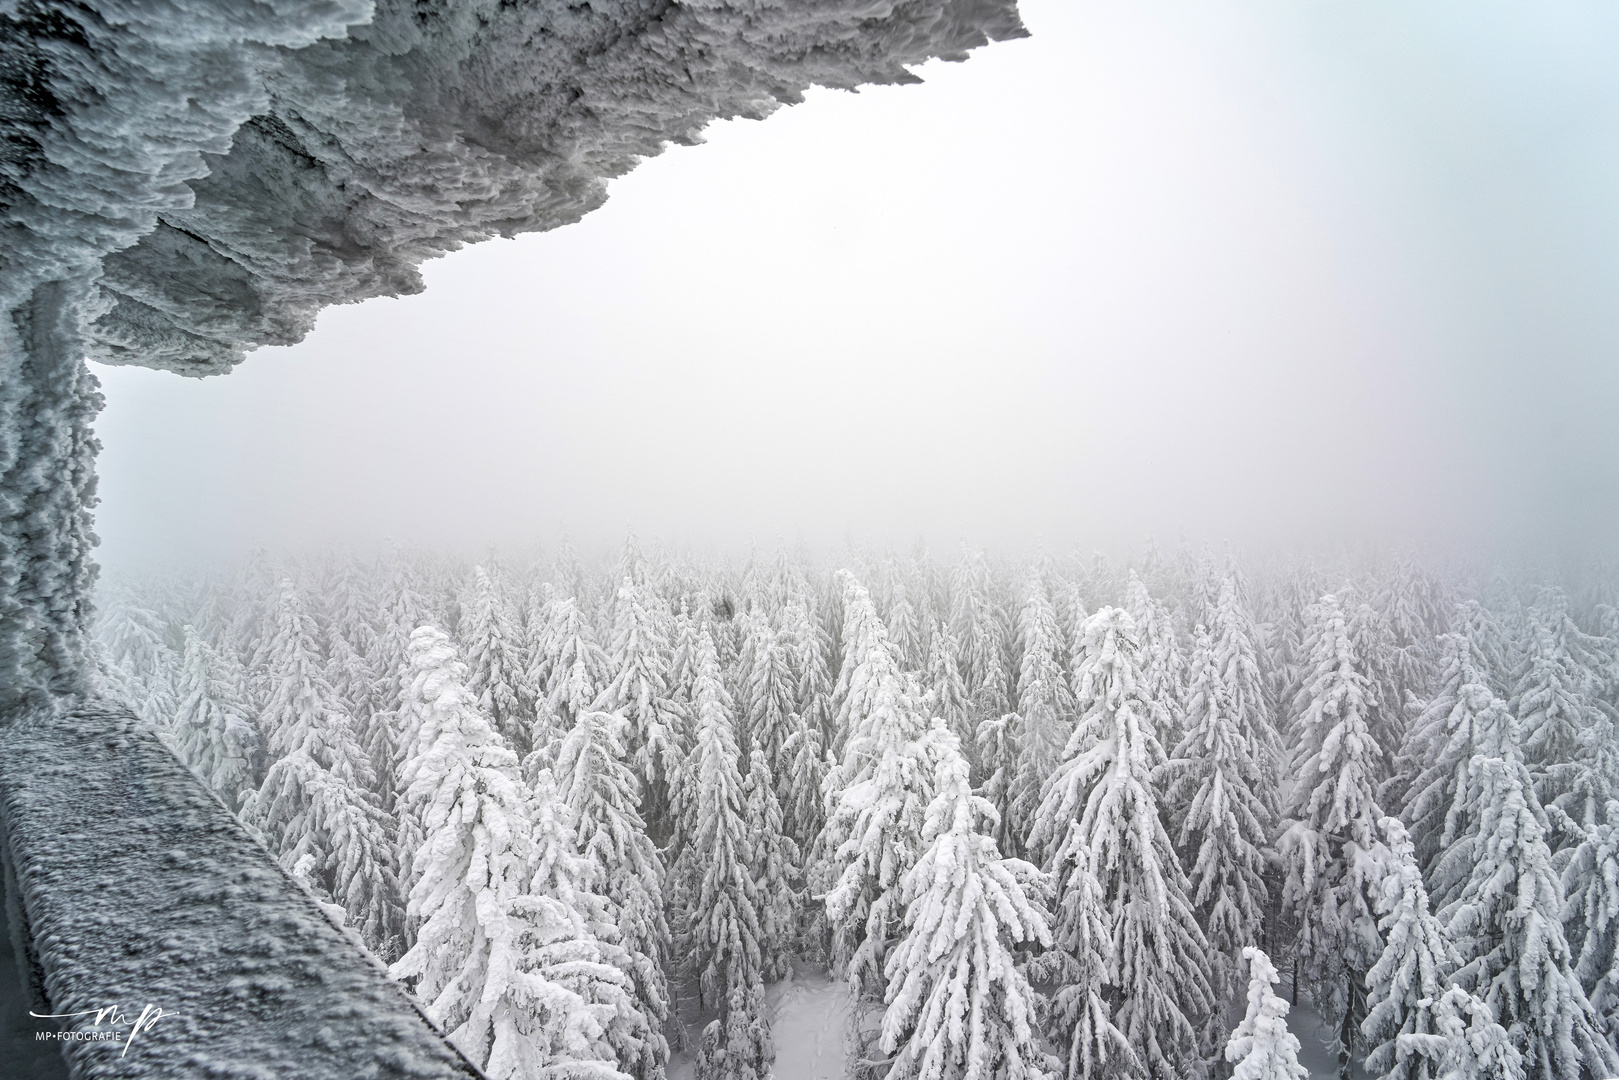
[(139, 888), (186, 180)]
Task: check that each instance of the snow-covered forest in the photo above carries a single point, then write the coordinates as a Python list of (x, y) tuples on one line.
[(1050, 817)]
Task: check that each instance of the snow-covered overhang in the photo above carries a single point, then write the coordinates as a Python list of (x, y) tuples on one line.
[(213, 174)]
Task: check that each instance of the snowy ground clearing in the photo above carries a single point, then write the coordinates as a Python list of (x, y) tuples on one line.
[(810, 1023), (1304, 1022)]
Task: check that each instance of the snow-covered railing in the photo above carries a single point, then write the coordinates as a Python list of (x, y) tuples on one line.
[(165, 938)]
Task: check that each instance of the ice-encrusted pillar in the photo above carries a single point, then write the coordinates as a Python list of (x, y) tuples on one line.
[(48, 399)]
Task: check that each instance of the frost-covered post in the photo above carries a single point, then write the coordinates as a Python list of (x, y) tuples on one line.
[(48, 401)]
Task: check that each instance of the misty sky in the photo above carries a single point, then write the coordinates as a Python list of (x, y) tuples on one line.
[(1269, 271)]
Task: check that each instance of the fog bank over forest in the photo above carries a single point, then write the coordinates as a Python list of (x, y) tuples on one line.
[(1293, 278)]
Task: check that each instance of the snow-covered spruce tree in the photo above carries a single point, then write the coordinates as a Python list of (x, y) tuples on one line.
[(350, 639), (1568, 734), (1477, 1048), (386, 736), (798, 782), (640, 692), (768, 691), (1330, 844), (811, 656), (435, 694), (404, 609), (569, 669), (1221, 824), (1440, 745), (569, 937), (1236, 645), (350, 608), (317, 794), (1078, 964), (1261, 1047), (998, 740), (870, 672), (1591, 916), (959, 1007), (877, 797), (469, 963), (1415, 610), (138, 666), (804, 811), (1163, 665), (495, 674), (1101, 801), (552, 1005), (1488, 636), (601, 793), (1046, 703), (904, 628), (776, 868), (212, 731), (1506, 918), (721, 938), (1378, 656), (251, 593), (570, 577), (1410, 977), (353, 678), (1075, 615), (947, 691), (977, 625), (683, 652)]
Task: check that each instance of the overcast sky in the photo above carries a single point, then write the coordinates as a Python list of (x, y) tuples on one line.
[(1261, 270)]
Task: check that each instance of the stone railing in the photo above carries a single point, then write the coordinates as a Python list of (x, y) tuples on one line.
[(130, 887)]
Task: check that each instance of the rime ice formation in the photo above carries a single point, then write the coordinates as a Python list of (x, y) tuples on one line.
[(139, 888), (181, 182)]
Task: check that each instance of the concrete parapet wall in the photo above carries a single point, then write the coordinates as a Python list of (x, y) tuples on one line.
[(139, 891)]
